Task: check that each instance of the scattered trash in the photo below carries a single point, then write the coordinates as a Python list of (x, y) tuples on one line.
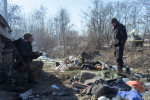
[(136, 85), (77, 62), (63, 94), (117, 98), (57, 64), (138, 75), (126, 88), (102, 98), (119, 84), (86, 75), (114, 68), (55, 87), (25, 95), (80, 86), (146, 95), (109, 82), (126, 79), (124, 57), (107, 74), (71, 58), (62, 67), (91, 81), (101, 88), (75, 89), (75, 68), (130, 95), (147, 85), (75, 79)]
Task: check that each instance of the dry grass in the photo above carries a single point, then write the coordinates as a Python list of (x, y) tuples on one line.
[(137, 58)]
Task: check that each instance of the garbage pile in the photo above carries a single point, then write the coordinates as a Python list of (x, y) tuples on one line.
[(82, 62), (72, 63), (109, 85)]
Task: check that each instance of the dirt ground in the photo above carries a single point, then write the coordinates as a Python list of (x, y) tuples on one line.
[(46, 79)]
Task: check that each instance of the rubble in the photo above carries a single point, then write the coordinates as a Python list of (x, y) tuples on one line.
[(132, 89)]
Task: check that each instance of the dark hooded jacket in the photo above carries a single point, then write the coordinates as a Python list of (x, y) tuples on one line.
[(23, 53), (120, 35), (25, 50)]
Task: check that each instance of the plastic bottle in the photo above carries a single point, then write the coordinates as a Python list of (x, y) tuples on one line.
[(102, 98)]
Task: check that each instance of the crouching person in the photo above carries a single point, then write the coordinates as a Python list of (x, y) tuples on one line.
[(25, 62)]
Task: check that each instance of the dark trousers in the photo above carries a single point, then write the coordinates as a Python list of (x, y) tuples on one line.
[(118, 55), (34, 68)]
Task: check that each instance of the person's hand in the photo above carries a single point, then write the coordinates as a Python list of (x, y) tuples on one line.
[(39, 53)]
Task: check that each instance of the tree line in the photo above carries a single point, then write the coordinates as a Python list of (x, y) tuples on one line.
[(58, 36)]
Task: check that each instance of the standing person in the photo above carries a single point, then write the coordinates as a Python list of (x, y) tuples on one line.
[(25, 63), (119, 39)]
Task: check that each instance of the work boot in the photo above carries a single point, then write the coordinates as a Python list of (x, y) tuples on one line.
[(128, 71), (119, 70)]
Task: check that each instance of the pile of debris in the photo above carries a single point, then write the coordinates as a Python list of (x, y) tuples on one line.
[(109, 85), (72, 63), (84, 61), (90, 85), (97, 80)]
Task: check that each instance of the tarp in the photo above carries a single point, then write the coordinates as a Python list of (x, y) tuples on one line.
[(131, 95)]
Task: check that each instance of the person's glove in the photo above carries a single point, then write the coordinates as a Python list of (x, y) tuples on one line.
[(38, 53)]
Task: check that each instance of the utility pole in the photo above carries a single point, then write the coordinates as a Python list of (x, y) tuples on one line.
[(5, 10)]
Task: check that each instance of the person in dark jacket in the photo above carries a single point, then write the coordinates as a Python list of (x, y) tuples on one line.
[(119, 39), (25, 61)]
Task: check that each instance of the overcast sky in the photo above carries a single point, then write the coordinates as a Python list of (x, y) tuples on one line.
[(74, 7)]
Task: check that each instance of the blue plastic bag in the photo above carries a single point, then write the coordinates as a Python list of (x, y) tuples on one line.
[(131, 95)]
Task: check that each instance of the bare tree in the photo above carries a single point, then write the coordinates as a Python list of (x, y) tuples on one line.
[(15, 19), (98, 16), (63, 21), (54, 31)]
